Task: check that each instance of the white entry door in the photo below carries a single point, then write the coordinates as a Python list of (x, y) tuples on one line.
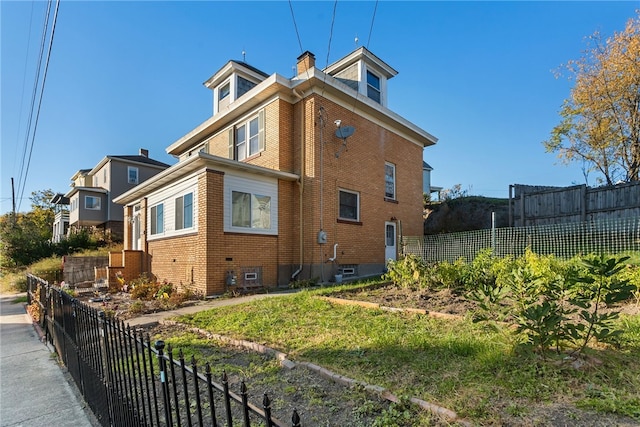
[(136, 229), (390, 249)]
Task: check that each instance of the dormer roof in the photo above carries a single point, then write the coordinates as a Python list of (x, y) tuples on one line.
[(232, 67), (365, 55)]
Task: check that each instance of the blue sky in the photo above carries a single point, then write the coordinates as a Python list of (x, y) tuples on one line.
[(128, 75)]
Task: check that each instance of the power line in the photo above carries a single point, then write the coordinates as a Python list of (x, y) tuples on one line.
[(372, 19), (44, 79), (36, 82), (295, 26), (24, 81)]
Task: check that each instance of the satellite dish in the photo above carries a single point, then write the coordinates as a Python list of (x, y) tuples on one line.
[(345, 132)]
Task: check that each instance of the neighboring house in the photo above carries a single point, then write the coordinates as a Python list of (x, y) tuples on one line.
[(290, 179), (61, 219), (90, 199), (427, 188)]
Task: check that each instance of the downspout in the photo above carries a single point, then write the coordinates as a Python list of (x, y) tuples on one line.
[(300, 185)]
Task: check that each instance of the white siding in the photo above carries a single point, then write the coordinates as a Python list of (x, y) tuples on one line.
[(168, 196), (255, 185)]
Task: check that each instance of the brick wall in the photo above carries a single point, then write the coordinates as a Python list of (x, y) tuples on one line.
[(202, 260), (360, 168)]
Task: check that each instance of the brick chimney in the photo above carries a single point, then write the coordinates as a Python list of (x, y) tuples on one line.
[(144, 152), (306, 61)]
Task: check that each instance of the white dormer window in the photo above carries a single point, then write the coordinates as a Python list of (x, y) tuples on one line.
[(364, 72), (232, 82), (373, 87), (224, 91)]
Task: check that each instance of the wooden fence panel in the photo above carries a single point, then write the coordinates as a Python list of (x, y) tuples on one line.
[(562, 205)]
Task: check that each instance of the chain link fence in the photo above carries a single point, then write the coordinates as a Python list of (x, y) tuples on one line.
[(562, 240)]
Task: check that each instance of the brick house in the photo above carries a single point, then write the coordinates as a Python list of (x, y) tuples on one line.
[(289, 179)]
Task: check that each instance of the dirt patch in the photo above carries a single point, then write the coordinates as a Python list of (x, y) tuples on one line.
[(121, 306), (442, 301), (319, 401)]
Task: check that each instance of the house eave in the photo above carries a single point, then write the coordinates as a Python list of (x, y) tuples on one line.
[(123, 161), (267, 89), (358, 54), (75, 190), (197, 162), (315, 81), (339, 92)]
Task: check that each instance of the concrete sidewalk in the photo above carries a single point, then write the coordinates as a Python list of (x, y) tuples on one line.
[(34, 389)]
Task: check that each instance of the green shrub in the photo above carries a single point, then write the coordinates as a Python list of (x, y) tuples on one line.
[(144, 288), (303, 284), (557, 304), (408, 272)]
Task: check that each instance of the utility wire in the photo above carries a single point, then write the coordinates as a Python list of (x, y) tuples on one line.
[(24, 81), (36, 82), (44, 79), (295, 26), (372, 19), (333, 20)]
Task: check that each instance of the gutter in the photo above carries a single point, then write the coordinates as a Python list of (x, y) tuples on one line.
[(300, 185)]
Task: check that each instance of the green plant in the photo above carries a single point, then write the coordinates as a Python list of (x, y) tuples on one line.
[(601, 286), (554, 304), (165, 290), (451, 275), (137, 307), (408, 272), (303, 284), (144, 288)]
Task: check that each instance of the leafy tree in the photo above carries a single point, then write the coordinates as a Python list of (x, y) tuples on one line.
[(25, 238), (600, 124)]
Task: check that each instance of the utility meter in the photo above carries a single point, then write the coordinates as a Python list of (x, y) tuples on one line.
[(322, 237)]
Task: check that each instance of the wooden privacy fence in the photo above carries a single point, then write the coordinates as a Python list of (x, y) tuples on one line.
[(128, 381), (531, 205), (561, 240)]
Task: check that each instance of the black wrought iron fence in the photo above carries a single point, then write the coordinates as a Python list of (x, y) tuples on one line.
[(128, 381)]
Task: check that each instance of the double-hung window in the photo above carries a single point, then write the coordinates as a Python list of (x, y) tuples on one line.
[(250, 210), (349, 205), (132, 175), (390, 181), (373, 87), (157, 219), (248, 137), (184, 211), (92, 203)]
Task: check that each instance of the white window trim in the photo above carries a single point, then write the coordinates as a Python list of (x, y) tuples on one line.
[(226, 83), (151, 217), (367, 85), (129, 170), (395, 194), (175, 206), (247, 137), (96, 207), (254, 186), (357, 219), (167, 196)]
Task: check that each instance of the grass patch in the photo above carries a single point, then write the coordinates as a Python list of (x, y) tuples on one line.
[(20, 300), (457, 364)]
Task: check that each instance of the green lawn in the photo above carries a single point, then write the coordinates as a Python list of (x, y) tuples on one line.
[(469, 368)]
